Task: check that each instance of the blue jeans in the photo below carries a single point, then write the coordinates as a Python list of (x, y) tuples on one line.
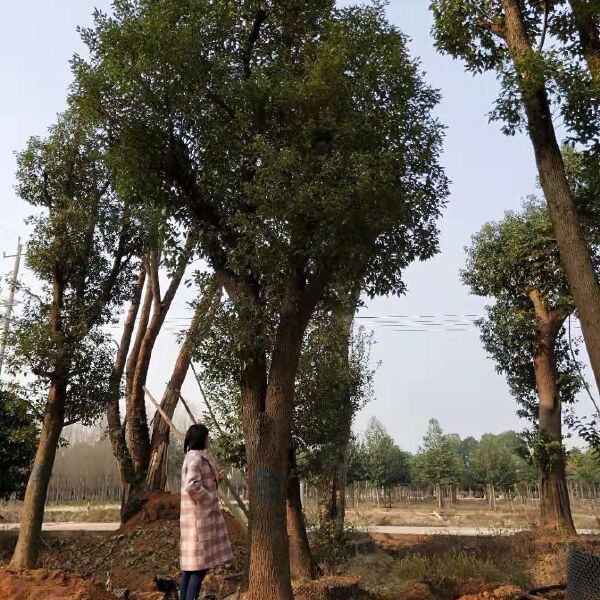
[(191, 582)]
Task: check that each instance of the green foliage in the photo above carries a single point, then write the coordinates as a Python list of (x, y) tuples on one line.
[(438, 461), (494, 462), (331, 546), (18, 441), (508, 260), (385, 463), (334, 382), (583, 467), (474, 31), (299, 140), (81, 250), (356, 469)]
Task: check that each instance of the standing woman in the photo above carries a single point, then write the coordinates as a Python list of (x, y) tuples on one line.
[(204, 538)]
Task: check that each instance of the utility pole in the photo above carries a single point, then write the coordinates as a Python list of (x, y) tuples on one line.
[(10, 301)]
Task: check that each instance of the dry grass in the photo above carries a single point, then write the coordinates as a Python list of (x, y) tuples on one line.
[(445, 567), (468, 513)]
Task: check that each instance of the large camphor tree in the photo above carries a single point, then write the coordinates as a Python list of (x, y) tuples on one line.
[(516, 261), (85, 238), (298, 140), (545, 54)]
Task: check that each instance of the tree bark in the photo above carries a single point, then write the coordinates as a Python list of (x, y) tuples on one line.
[(138, 436), (159, 443), (302, 565), (555, 508), (441, 496), (32, 516), (142, 326), (574, 250), (267, 418), (116, 429), (587, 18)]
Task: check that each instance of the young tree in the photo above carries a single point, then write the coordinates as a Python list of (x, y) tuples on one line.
[(299, 141), (83, 241), (18, 441), (386, 464), (494, 464), (516, 261), (583, 467), (334, 382), (437, 463), (510, 38)]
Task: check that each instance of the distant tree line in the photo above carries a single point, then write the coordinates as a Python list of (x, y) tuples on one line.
[(444, 462)]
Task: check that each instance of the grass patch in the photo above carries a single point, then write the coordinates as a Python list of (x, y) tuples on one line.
[(437, 569)]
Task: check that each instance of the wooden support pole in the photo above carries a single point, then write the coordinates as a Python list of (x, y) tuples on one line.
[(241, 512)]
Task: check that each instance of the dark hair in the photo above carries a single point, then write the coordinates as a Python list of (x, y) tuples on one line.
[(195, 438)]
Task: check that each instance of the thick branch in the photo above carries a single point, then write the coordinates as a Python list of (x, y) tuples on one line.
[(495, 28), (259, 19)]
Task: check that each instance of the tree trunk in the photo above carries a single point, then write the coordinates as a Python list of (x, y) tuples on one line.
[(302, 565), (441, 497), (32, 516), (137, 434), (555, 508), (267, 419), (160, 431), (574, 250), (454, 494), (146, 310), (116, 429), (587, 16)]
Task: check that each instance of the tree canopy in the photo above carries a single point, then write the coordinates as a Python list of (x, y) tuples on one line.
[(508, 261)]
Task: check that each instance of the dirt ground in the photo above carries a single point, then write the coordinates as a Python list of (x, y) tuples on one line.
[(394, 568), (473, 512)]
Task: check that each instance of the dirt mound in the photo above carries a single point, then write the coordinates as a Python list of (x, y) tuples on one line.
[(154, 506), (147, 545), (42, 584)]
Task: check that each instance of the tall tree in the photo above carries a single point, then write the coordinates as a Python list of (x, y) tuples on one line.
[(299, 139), (516, 261), (510, 38), (438, 462), (84, 238)]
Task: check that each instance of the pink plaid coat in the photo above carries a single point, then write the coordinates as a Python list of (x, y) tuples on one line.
[(204, 537)]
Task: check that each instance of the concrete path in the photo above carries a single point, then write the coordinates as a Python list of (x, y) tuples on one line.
[(454, 531), (385, 529)]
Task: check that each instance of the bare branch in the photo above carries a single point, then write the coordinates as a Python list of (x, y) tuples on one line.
[(545, 25)]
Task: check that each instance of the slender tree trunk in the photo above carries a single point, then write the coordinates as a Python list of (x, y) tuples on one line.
[(159, 443), (441, 497), (116, 429), (142, 326), (32, 516), (555, 507), (574, 250), (587, 20), (137, 434), (302, 565)]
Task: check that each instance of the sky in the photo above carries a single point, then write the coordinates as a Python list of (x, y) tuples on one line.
[(439, 372)]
